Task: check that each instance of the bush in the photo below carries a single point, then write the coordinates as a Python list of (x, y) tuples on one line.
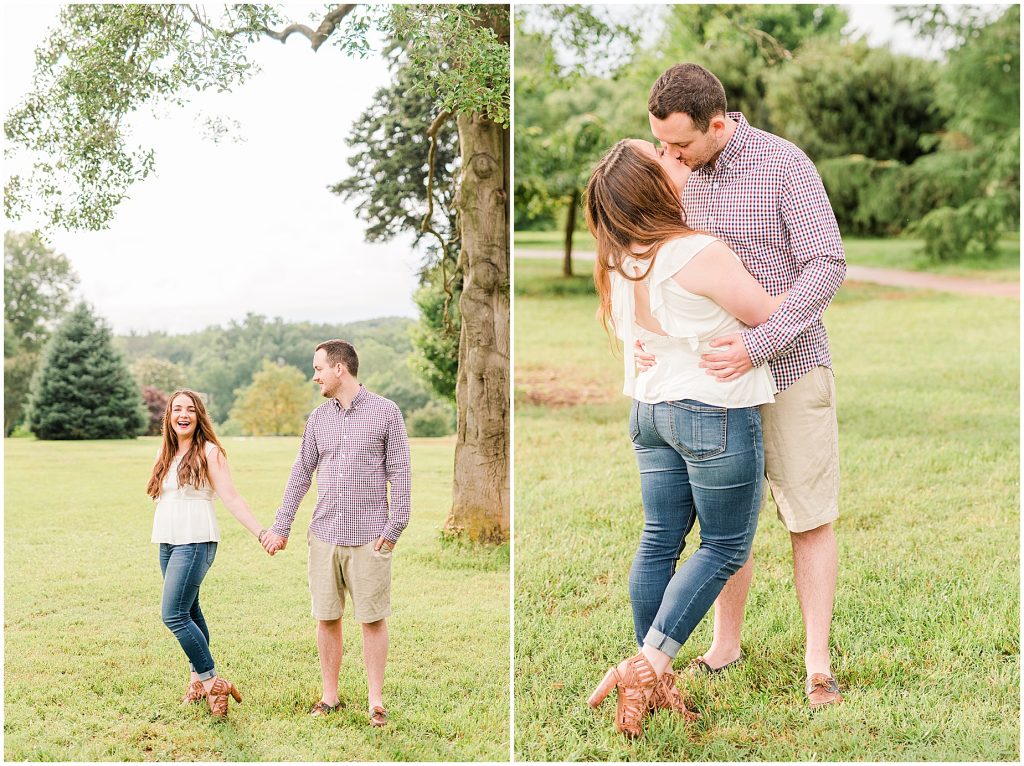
[(156, 404), (864, 196), (434, 419), (953, 234)]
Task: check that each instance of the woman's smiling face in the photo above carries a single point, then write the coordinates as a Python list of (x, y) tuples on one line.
[(184, 417)]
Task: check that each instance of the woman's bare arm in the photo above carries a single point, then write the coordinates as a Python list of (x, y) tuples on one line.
[(220, 478), (716, 273)]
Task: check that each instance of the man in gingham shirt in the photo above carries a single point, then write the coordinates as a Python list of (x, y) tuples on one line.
[(762, 196), (357, 445)]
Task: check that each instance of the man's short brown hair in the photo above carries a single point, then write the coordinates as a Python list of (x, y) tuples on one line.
[(690, 89), (341, 351)]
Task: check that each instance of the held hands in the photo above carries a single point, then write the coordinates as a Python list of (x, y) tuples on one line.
[(272, 543), (730, 360)]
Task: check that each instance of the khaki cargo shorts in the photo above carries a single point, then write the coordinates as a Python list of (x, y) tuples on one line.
[(801, 451), (360, 570)]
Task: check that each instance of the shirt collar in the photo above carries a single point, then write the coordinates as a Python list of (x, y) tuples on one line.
[(734, 145), (356, 400)]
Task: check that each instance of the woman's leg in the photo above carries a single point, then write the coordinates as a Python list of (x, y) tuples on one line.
[(725, 461), (184, 570), (669, 514)]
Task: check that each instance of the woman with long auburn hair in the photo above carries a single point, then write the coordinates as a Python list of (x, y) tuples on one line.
[(190, 468), (697, 441)]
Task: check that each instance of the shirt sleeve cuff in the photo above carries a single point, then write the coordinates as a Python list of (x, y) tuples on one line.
[(757, 342), (280, 529)]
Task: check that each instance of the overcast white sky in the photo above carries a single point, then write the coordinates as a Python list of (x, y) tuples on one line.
[(224, 229)]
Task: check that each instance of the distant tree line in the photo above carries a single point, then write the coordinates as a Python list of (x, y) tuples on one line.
[(67, 377), (903, 144)]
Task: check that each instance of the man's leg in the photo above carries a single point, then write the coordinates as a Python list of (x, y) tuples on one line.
[(729, 609), (329, 647), (375, 655), (815, 564)]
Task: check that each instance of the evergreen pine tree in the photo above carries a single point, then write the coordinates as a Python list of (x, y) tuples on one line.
[(83, 388)]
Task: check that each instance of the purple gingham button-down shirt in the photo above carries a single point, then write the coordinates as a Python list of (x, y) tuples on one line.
[(355, 452), (764, 198)]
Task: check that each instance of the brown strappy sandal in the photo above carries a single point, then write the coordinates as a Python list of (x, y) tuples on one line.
[(218, 696), (378, 717), (666, 696), (634, 680), (195, 692)]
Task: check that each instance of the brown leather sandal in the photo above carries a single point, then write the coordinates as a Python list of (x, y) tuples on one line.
[(218, 696), (634, 680), (378, 716), (195, 692), (666, 696)]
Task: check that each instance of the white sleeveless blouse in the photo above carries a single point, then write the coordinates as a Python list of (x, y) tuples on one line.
[(185, 514), (690, 321)]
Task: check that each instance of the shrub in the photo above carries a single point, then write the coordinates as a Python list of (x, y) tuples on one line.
[(953, 234), (156, 404), (434, 419), (864, 195)]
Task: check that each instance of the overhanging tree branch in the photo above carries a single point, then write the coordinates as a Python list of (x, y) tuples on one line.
[(316, 37)]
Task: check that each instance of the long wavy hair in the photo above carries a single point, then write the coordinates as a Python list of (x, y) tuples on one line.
[(193, 469), (630, 200)]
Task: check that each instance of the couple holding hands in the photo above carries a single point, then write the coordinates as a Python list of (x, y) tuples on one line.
[(357, 445), (717, 254)]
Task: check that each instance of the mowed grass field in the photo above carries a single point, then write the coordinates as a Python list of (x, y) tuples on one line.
[(92, 674), (926, 631), (892, 253)]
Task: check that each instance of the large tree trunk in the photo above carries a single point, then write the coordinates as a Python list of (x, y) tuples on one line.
[(480, 499), (570, 228)]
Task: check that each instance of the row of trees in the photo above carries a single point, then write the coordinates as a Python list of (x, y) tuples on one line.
[(903, 144), (253, 372)]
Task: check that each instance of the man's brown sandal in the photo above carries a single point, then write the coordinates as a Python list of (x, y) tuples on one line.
[(218, 696), (666, 696), (634, 680), (196, 691), (378, 716), (822, 690), (321, 708)]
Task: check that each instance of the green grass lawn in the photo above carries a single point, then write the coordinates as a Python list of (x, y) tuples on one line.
[(92, 674), (925, 638), (890, 253)]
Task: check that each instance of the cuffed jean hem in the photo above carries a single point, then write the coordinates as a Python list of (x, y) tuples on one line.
[(658, 640), (211, 673)]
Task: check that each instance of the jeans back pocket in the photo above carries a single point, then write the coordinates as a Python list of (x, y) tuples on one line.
[(698, 430)]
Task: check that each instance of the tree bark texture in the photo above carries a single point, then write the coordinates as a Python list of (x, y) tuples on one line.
[(570, 227), (480, 499)]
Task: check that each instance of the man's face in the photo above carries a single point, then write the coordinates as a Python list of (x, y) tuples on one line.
[(326, 375), (682, 141), (676, 170)]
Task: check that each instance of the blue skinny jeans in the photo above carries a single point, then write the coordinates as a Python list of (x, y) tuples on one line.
[(183, 568), (697, 463)]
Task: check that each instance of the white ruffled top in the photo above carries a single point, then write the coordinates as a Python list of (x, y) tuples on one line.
[(185, 514), (690, 321)]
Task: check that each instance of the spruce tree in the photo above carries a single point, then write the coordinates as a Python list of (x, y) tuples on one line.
[(83, 388)]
